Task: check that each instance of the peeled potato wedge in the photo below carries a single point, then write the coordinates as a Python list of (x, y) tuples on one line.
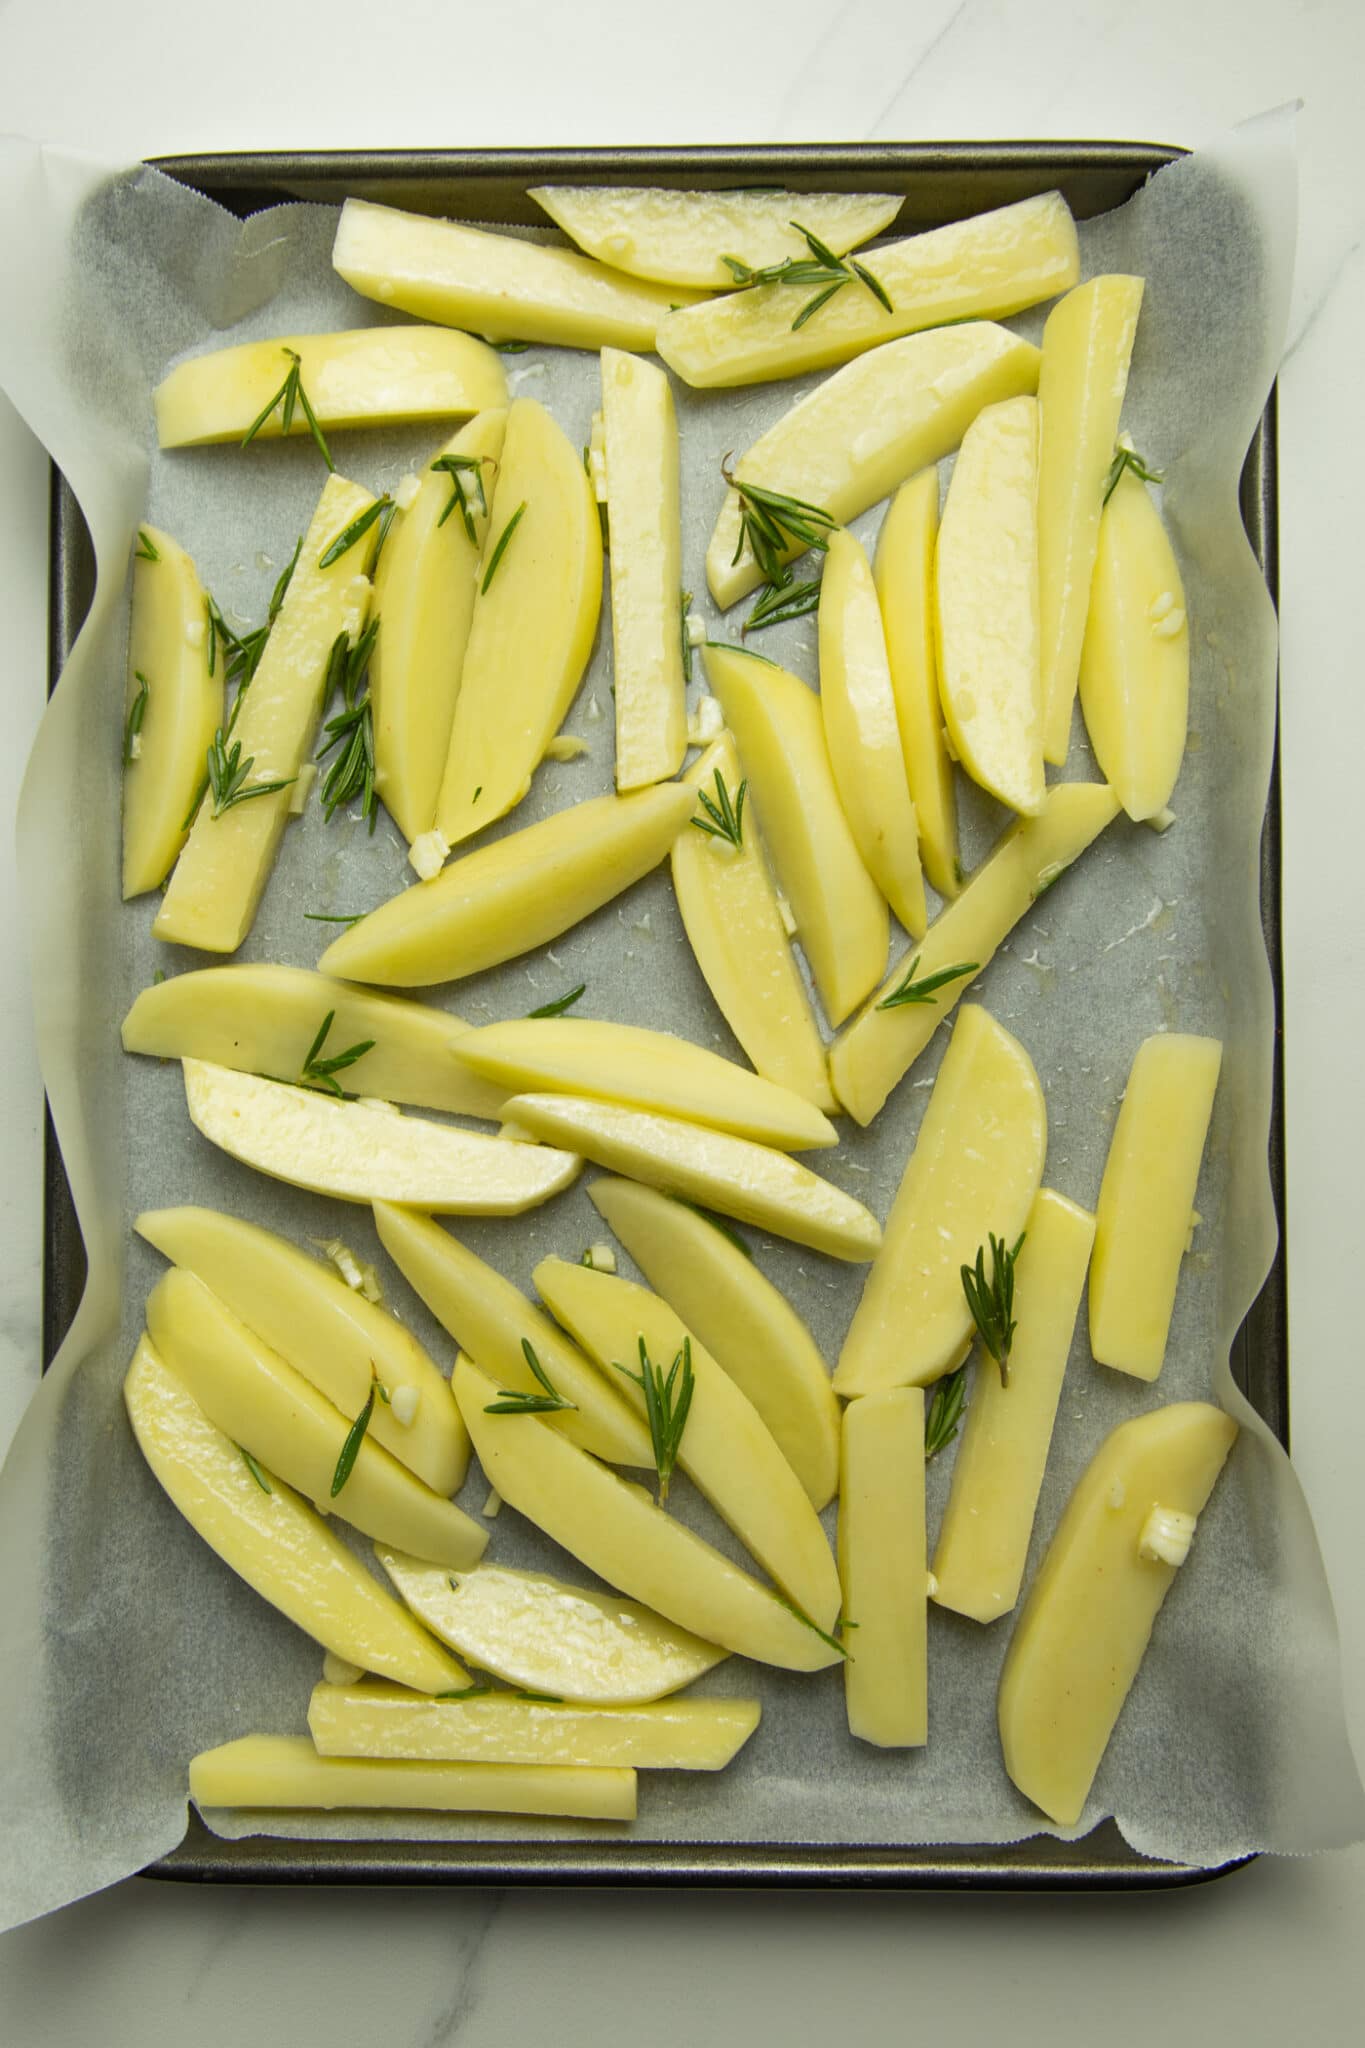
[(640, 437), (882, 1565), (173, 705), (904, 574)]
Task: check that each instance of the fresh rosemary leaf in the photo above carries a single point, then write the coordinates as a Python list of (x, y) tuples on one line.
[(327, 917), (386, 519), (495, 559), (548, 1699), (530, 1404), (912, 991), (456, 467), (684, 607), (874, 285), (821, 268), (510, 348), (464, 1692), (777, 605), (560, 1003), (726, 1229), (317, 1072), (945, 1412), (145, 551), (813, 306), (254, 1469), (290, 394), (351, 729), (356, 530), (227, 777), (667, 1402), (770, 522), (1128, 458), (752, 652), (355, 1437), (724, 819), (791, 1608), (991, 1301), (137, 711)]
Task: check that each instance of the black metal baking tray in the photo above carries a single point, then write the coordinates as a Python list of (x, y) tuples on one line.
[(941, 182)]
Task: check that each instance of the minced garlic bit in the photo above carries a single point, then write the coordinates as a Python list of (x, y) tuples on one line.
[(429, 853), (406, 491), (694, 625), (931, 1587), (1195, 1220), (403, 1404), (566, 746), (600, 1257), (340, 1671), (135, 747), (345, 1261), (303, 783), (594, 711), (706, 723), (787, 915), (492, 1505), (1166, 1536)]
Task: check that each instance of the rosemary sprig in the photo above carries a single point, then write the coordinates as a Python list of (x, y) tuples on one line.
[(317, 1072), (227, 777), (357, 530), (530, 1404), (137, 711), (290, 394), (355, 1436), (501, 548), (327, 917), (254, 1469), (822, 268), (724, 819), (456, 468), (770, 522), (780, 603), (684, 607), (351, 729), (912, 991), (146, 549), (1128, 458), (666, 1410), (992, 1301), (945, 1412), (560, 1003)]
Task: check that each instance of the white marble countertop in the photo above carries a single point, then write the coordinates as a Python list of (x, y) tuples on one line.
[(1269, 1953)]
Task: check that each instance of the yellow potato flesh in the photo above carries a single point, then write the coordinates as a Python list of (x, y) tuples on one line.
[(424, 589), (904, 573), (674, 237), (275, 1541), (531, 632), (164, 761), (1135, 663), (987, 267), (221, 875), (644, 519), (500, 1728), (748, 1327), (326, 1330), (368, 1153), (726, 1449), (882, 1563), (573, 1641), (1088, 1618), (863, 731), (983, 1539), (496, 285), (263, 1019), (509, 897), (367, 376), (255, 1397), (491, 1319), (750, 1182), (852, 440), (286, 1771), (986, 579), (975, 1170), (1087, 347), (734, 926), (1147, 1197), (618, 1532), (879, 1047), (840, 914), (648, 1069)]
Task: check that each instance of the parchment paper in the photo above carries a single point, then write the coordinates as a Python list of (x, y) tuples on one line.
[(125, 1646)]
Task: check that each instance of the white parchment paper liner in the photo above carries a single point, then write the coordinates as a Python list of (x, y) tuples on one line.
[(124, 1645)]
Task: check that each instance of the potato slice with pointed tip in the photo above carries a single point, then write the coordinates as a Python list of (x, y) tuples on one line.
[(840, 915), (882, 1565), (271, 1771), (1090, 1611), (617, 1531), (975, 1169), (368, 1152), (904, 574), (991, 265), (174, 701), (644, 520), (272, 1539), (725, 1450), (573, 1641), (750, 1329), (492, 1320), (881, 1045)]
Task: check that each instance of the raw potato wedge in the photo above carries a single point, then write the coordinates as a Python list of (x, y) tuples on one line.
[(498, 286), (986, 579), (326, 1330), (861, 726), (882, 1564), (221, 875), (260, 1402), (1087, 347), (750, 1329), (734, 926), (975, 1170), (368, 1152), (501, 1728), (987, 267), (491, 1319), (512, 896), (673, 237), (424, 588), (172, 709), (615, 1529), (645, 523), (904, 574), (840, 914), (880, 1046), (852, 440), (726, 1449), (1135, 662), (1146, 1207), (576, 1642), (1090, 1611), (531, 633), (286, 1771), (983, 1540), (272, 1539), (263, 1019), (648, 1070), (750, 1182), (367, 376)]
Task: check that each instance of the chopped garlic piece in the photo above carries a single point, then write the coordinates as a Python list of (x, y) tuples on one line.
[(403, 1403), (406, 491), (303, 783), (345, 1261), (1161, 821), (1166, 1536), (695, 627), (340, 1671), (787, 915), (565, 746), (706, 723), (932, 1587), (594, 711), (135, 747), (1195, 1220), (429, 853), (492, 1505), (600, 1257)]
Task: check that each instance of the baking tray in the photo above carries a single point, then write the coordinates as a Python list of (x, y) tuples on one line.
[(941, 182)]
